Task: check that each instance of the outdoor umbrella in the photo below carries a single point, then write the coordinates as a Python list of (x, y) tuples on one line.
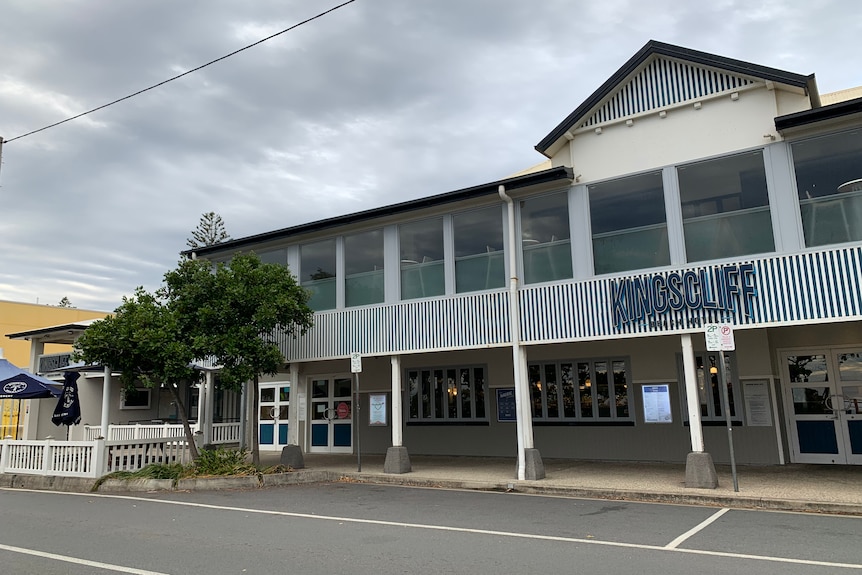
[(68, 410), (16, 383)]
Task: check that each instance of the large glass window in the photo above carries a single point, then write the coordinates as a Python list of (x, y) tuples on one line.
[(829, 181), (709, 387), (628, 224), (545, 238), (363, 268), (317, 269), (422, 272), (584, 390), (725, 207), (274, 257), (479, 261), (446, 394)]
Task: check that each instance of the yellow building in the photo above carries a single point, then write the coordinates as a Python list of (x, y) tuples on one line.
[(16, 317)]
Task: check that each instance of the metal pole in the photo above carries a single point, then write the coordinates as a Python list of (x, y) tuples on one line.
[(722, 381), (356, 423)]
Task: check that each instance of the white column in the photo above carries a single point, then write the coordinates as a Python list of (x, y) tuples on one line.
[(692, 394), (397, 399), (293, 422), (30, 427), (106, 402), (209, 393)]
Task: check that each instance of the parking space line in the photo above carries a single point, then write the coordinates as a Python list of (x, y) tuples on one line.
[(696, 529), (533, 536), (78, 561)]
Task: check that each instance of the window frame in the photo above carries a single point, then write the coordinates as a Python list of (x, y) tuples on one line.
[(596, 419), (734, 391), (144, 391), (595, 188), (441, 400)]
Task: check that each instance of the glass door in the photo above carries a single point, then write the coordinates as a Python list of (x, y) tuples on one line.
[(824, 402), (848, 402), (331, 415), (274, 400)]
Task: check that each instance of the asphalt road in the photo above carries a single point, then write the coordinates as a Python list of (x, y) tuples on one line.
[(359, 528)]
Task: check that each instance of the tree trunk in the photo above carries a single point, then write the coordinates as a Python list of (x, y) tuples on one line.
[(255, 440), (190, 438)]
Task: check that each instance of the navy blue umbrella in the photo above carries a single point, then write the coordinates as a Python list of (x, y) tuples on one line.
[(68, 410), (15, 383)]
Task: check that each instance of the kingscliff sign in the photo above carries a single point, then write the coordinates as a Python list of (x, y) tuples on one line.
[(651, 298)]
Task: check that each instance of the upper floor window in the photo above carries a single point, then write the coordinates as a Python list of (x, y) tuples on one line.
[(479, 255), (545, 238), (725, 207), (628, 222), (363, 268), (421, 245), (829, 182), (274, 257), (318, 274)]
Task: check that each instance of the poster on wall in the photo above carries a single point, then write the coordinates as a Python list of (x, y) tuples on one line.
[(757, 410), (506, 404), (377, 409), (657, 404)]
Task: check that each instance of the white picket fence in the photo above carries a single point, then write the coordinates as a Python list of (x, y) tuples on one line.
[(88, 458), (222, 432)]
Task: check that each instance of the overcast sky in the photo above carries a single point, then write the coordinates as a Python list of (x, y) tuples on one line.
[(378, 102)]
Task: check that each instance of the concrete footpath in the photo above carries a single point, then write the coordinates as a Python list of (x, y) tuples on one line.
[(806, 488), (809, 488)]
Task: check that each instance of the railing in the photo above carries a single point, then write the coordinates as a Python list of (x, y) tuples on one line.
[(222, 432), (88, 458), (126, 456), (225, 433)]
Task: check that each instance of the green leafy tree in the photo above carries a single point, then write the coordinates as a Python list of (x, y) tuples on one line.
[(237, 312), (65, 302), (144, 340), (210, 231)]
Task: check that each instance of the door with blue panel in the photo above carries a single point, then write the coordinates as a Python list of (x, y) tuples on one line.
[(331, 420), (824, 405), (273, 404), (848, 402)]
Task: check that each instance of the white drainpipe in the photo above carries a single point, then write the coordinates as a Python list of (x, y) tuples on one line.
[(522, 405)]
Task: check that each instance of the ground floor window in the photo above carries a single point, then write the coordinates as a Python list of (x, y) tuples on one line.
[(589, 391), (447, 394), (709, 388)]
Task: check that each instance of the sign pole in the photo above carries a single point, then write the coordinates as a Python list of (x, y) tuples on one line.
[(356, 369), (719, 337), (722, 381), (357, 422)]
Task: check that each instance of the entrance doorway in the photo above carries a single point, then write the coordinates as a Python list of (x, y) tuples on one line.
[(331, 415), (823, 400), (273, 403)]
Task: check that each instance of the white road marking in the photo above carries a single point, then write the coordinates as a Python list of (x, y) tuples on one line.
[(77, 561), (454, 529), (696, 529)]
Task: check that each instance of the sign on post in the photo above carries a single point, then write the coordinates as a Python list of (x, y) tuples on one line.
[(719, 337), (355, 363)]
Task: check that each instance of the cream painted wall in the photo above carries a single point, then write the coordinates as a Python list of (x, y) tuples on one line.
[(721, 126)]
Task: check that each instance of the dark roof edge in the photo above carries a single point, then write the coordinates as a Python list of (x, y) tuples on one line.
[(46, 330), (536, 178), (830, 112), (695, 56)]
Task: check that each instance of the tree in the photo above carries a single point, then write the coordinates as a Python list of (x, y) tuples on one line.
[(236, 313), (65, 302), (145, 342), (210, 231)]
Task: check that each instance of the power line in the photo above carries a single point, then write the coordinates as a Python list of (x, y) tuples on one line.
[(180, 75)]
